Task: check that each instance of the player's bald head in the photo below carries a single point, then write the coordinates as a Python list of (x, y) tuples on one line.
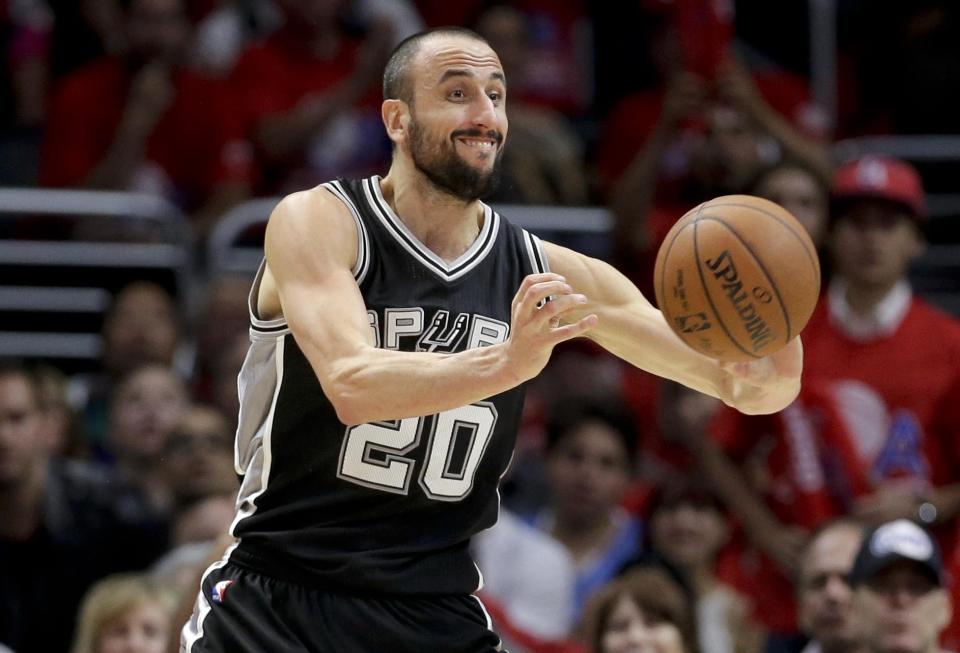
[(398, 74)]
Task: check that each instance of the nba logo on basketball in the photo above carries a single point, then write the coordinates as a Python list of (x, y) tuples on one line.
[(692, 323), (219, 593)]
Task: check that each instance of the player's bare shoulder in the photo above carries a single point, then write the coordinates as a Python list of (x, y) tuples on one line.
[(313, 220), (309, 233)]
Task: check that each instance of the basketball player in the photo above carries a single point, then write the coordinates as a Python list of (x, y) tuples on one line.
[(394, 323)]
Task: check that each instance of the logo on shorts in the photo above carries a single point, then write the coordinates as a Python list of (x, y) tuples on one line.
[(219, 593)]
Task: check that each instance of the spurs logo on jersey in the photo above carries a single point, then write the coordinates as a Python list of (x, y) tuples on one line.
[(387, 506), (443, 335)]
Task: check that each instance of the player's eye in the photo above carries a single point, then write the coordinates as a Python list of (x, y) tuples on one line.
[(457, 94), (496, 96)]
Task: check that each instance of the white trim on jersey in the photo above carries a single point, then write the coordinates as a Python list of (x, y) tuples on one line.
[(489, 620), (446, 271), (274, 326), (360, 268), (499, 505), (192, 631), (538, 260), (249, 490), (362, 265)]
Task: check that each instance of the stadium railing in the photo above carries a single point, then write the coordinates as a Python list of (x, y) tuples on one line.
[(236, 241), (63, 253)]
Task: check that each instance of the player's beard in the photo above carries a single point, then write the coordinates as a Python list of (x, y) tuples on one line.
[(447, 170)]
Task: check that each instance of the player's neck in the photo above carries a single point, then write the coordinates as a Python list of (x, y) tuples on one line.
[(446, 225)]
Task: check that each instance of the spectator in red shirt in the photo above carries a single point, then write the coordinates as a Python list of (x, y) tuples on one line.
[(559, 40), (664, 151), (309, 95), (142, 120)]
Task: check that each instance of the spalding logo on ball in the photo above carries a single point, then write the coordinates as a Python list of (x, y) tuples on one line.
[(737, 278)]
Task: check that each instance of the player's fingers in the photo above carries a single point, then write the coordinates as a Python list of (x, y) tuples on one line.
[(574, 330), (756, 372), (737, 370), (789, 360), (539, 292), (557, 307), (531, 280)]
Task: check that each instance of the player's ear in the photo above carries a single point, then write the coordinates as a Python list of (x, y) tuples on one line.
[(396, 118)]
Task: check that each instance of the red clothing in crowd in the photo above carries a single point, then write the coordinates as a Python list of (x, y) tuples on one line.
[(865, 418), (885, 393), (632, 120), (559, 41), (194, 144), (947, 428), (629, 126), (273, 76)]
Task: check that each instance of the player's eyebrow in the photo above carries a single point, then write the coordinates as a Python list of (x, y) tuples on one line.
[(462, 72)]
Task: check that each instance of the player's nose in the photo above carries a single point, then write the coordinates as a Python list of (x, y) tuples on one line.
[(484, 113)]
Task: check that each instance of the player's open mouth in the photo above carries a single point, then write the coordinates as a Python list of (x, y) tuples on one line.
[(482, 144)]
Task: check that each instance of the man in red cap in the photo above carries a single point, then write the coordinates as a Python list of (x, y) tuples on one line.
[(861, 439)]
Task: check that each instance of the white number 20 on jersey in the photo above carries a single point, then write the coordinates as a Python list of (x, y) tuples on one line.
[(374, 454)]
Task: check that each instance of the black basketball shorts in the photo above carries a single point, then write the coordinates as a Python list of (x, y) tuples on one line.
[(241, 611)]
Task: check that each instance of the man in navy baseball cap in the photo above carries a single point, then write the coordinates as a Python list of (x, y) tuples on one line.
[(901, 599)]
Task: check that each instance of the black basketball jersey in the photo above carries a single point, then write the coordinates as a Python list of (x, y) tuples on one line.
[(385, 507)]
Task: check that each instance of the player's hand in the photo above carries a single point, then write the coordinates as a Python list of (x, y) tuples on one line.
[(537, 325), (766, 385)]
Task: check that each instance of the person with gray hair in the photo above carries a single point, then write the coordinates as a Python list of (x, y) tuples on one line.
[(824, 596)]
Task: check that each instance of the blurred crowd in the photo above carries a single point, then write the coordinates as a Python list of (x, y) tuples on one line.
[(637, 514)]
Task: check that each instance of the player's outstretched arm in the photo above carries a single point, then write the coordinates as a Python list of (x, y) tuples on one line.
[(633, 329), (311, 247)]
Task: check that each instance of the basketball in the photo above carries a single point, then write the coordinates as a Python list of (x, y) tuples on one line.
[(737, 278)]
